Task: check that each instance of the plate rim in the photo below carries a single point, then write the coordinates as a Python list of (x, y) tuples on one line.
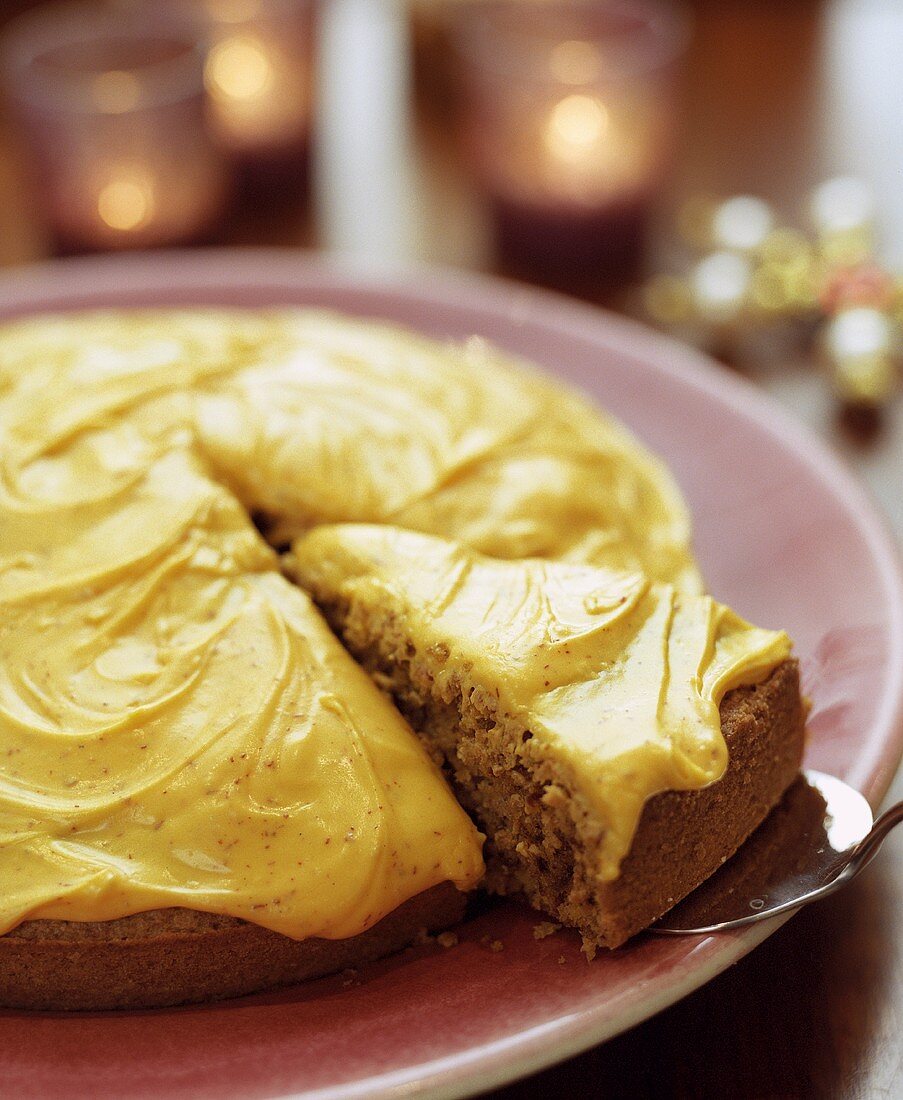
[(35, 287)]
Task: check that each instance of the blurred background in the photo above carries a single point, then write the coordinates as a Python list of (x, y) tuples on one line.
[(729, 170)]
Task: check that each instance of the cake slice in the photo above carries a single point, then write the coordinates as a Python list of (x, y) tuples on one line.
[(615, 739)]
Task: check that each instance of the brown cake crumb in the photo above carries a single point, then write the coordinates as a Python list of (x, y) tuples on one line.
[(447, 939), (544, 928)]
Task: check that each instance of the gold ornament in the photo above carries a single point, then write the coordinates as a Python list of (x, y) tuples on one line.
[(754, 271)]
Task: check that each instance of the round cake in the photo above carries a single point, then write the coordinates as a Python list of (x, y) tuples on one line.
[(204, 792)]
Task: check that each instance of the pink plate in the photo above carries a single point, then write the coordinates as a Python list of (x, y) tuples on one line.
[(784, 534)]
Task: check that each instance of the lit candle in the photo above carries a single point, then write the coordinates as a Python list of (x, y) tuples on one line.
[(574, 134), (127, 200), (132, 201), (590, 154), (114, 116), (259, 74), (569, 117)]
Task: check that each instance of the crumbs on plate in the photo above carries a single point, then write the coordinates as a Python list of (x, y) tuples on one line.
[(544, 928)]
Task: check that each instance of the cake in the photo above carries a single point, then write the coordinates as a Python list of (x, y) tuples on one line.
[(202, 793), (561, 699)]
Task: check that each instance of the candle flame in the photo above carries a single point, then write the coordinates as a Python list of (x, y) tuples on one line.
[(238, 68), (575, 127), (126, 203)]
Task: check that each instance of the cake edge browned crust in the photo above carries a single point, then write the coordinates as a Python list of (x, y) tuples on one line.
[(168, 957), (684, 837)]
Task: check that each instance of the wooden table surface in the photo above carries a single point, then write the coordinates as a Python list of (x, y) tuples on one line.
[(780, 95)]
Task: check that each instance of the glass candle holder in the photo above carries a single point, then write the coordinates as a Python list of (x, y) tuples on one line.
[(259, 74), (569, 116), (111, 110)]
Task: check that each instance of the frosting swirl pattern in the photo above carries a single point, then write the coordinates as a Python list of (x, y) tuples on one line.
[(178, 726)]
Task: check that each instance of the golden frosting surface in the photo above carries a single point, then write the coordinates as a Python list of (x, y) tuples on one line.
[(617, 677), (177, 724)]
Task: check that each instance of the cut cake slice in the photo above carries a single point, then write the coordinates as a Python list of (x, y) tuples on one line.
[(616, 740)]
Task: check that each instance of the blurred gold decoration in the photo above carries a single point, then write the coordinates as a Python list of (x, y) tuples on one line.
[(755, 272)]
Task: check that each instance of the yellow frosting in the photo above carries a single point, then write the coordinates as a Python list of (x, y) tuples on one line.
[(177, 724), (618, 678), (180, 727), (315, 418)]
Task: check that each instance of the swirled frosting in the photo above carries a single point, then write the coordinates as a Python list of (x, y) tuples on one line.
[(178, 726)]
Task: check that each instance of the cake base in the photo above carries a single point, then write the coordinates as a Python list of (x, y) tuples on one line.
[(686, 836), (177, 956)]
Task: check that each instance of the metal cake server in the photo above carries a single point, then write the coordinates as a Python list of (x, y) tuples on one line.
[(815, 841)]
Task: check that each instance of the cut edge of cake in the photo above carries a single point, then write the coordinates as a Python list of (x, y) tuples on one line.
[(542, 837)]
